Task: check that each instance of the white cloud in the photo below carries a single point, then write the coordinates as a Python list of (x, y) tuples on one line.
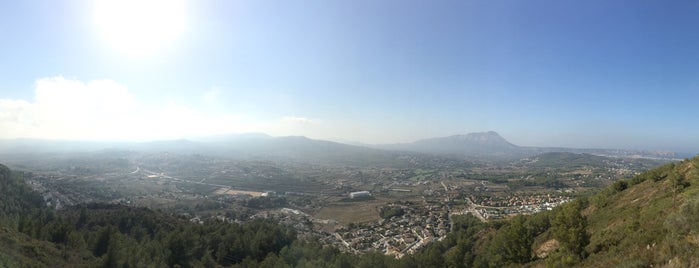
[(66, 108), (104, 110), (295, 120), (293, 125), (212, 96)]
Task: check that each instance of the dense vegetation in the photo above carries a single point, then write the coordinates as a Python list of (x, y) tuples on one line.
[(387, 212), (650, 219)]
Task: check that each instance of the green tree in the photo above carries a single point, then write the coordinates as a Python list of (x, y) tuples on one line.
[(454, 258), (273, 261), (511, 244), (519, 240), (678, 182), (102, 244), (569, 228), (620, 186), (372, 260)]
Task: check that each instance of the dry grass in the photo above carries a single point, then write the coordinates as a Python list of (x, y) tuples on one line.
[(232, 191), (352, 212)]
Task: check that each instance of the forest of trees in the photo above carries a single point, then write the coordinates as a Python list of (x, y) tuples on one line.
[(103, 235)]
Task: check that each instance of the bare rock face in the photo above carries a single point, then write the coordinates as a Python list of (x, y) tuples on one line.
[(546, 248)]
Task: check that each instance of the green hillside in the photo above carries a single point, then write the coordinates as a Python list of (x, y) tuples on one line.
[(651, 219), (18, 249)]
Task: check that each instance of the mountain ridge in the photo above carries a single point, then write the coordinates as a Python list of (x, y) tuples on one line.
[(480, 144), (491, 145), (485, 145)]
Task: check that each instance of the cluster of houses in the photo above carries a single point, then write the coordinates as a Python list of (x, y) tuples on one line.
[(514, 200), (398, 235), (496, 207)]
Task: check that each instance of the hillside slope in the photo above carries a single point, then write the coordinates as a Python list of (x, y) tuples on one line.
[(18, 249), (651, 219)]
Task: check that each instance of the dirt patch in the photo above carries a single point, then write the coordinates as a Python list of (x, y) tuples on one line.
[(231, 191), (578, 172), (546, 248), (346, 213)]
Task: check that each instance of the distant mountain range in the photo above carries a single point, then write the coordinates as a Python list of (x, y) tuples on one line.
[(493, 146), (244, 146), (481, 145)]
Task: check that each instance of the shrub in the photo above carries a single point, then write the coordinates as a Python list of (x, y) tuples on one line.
[(620, 186)]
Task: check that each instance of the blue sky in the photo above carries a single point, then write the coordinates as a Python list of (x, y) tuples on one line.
[(616, 74)]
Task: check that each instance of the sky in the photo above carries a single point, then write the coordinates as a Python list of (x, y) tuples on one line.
[(588, 74)]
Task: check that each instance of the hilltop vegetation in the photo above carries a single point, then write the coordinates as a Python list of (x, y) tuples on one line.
[(650, 219), (101, 235)]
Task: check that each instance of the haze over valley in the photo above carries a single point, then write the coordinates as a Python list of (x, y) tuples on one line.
[(410, 191), (379, 133)]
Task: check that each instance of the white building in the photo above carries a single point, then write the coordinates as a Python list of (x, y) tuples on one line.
[(359, 194)]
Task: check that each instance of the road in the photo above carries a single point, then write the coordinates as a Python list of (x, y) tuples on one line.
[(136, 171), (148, 172), (471, 208), (446, 199)]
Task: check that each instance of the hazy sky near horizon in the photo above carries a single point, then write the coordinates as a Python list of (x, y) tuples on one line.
[(613, 74)]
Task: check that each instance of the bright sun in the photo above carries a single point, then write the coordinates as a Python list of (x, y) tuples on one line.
[(139, 27)]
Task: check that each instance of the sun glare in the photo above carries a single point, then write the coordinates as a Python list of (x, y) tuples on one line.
[(139, 27)]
